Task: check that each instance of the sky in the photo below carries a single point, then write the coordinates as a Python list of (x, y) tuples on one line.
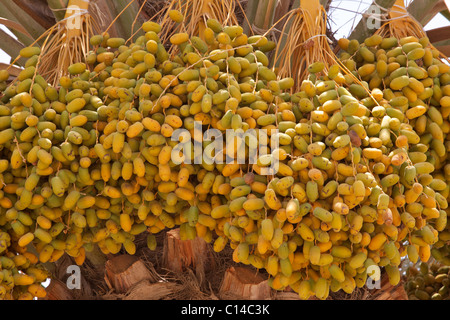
[(344, 14)]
